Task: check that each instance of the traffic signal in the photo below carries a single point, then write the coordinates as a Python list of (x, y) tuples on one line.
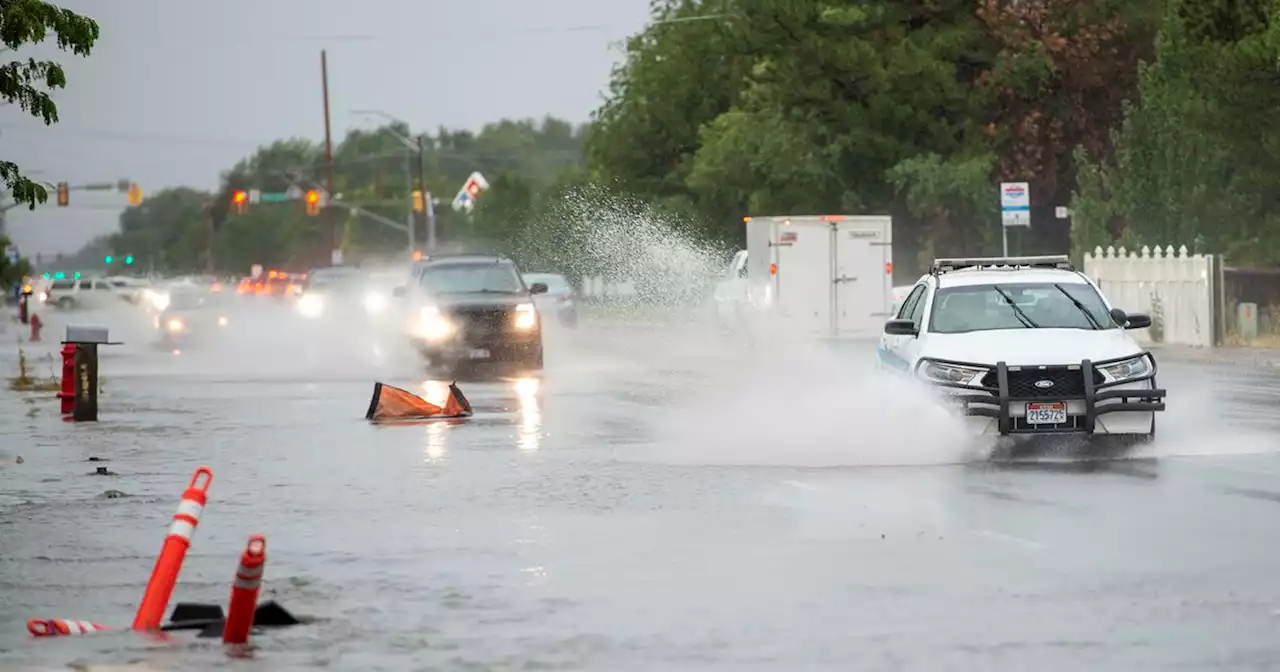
[(313, 202), (240, 200), (135, 194), (64, 194), (108, 259), (418, 204), (128, 261)]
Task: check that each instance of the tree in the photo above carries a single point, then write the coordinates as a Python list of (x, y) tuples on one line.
[(28, 84)]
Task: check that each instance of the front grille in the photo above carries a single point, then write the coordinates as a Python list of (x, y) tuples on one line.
[(1067, 383), (482, 321)]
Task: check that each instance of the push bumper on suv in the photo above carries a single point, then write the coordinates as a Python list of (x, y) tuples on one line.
[(1006, 398)]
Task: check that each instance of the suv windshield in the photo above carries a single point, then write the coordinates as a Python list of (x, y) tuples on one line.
[(1035, 306), (191, 301), (488, 277)]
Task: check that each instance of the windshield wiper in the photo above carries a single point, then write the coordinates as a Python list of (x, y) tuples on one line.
[(1076, 302), (1022, 317)]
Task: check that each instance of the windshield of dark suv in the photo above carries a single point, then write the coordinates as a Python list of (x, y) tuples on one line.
[(1046, 305), (486, 277)]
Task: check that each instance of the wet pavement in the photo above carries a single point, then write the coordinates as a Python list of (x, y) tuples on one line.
[(656, 500)]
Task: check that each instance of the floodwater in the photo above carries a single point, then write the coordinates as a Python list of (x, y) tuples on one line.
[(654, 501)]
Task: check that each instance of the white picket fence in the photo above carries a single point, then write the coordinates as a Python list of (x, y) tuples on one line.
[(1173, 287)]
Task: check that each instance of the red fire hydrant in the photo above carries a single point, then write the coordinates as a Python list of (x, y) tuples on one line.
[(67, 395), (22, 307), (35, 327)]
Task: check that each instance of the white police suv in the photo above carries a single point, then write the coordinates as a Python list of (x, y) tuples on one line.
[(1026, 346)]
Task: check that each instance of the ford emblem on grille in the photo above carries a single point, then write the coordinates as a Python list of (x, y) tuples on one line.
[(1044, 383)]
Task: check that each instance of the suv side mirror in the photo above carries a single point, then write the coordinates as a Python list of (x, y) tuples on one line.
[(901, 328), (398, 292), (538, 288), (1137, 321)]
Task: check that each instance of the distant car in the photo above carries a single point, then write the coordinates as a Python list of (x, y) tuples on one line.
[(559, 300), (190, 317), (83, 293), (342, 293), (473, 309)]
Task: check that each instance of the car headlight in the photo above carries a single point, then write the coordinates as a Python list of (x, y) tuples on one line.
[(310, 305), (160, 301), (432, 324), (375, 302), (1129, 369), (952, 374), (175, 325), (526, 316), (222, 321)]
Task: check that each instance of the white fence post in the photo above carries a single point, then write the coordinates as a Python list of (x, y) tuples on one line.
[(1172, 287)]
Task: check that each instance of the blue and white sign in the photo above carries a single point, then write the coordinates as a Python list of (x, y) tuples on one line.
[(470, 191), (1015, 203)]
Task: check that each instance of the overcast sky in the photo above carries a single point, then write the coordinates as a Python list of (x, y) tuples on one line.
[(177, 91)]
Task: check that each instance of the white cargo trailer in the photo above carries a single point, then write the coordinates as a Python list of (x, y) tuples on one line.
[(828, 274)]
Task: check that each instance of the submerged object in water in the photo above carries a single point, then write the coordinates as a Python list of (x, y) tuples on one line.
[(393, 403)]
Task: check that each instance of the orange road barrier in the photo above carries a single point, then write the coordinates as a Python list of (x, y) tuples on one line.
[(244, 592), (58, 627), (165, 574), (393, 403)]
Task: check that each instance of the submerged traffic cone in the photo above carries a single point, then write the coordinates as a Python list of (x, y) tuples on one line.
[(244, 592), (165, 574), (58, 627)]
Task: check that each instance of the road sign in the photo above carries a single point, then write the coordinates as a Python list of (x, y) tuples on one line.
[(1015, 203), (335, 258), (1062, 212), (255, 196), (470, 191), (275, 197), (294, 192)]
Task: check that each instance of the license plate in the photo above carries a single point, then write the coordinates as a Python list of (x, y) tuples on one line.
[(1047, 413), (478, 353)]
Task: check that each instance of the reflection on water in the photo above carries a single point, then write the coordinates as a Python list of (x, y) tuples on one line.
[(530, 415), (435, 442)]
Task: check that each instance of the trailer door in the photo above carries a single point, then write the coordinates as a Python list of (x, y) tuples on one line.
[(862, 277)]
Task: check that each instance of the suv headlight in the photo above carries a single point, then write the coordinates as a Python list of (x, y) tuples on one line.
[(1129, 369), (526, 316), (432, 323), (952, 374)]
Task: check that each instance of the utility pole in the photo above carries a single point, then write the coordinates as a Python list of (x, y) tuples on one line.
[(328, 160), (410, 220), (428, 210), (208, 237)]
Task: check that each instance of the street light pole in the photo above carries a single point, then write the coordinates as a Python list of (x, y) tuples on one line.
[(408, 183), (419, 149), (328, 160)]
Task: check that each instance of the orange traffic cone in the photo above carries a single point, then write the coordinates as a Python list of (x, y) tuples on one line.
[(59, 627), (244, 592), (165, 574)]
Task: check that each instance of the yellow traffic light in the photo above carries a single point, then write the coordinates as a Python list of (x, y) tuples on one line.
[(418, 204), (240, 201), (64, 194), (135, 194), (313, 202)]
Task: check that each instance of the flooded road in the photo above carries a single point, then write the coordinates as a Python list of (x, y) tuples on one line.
[(654, 501)]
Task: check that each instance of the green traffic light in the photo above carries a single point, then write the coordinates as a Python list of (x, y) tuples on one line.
[(128, 259), (60, 276), (77, 275), (108, 259), (46, 276)]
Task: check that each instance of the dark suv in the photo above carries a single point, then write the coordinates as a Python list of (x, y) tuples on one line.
[(473, 309)]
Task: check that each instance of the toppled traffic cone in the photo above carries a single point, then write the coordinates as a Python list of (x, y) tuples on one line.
[(393, 403), (165, 574), (61, 627)]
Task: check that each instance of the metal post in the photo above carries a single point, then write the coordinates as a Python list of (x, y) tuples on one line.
[(408, 183), (86, 367), (428, 210), (328, 156), (1004, 237), (208, 238)]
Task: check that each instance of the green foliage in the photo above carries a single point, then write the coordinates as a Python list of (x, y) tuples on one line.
[(27, 84), (10, 272), (1196, 156)]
